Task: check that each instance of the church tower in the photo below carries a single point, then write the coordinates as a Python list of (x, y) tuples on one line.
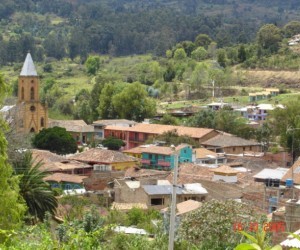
[(32, 115)]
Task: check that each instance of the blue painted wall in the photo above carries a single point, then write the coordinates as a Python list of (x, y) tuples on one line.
[(185, 155)]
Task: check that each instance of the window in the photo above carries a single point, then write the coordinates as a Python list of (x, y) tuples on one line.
[(22, 93), (32, 130), (233, 149), (157, 201), (32, 108), (42, 122), (32, 93), (250, 147), (102, 168)]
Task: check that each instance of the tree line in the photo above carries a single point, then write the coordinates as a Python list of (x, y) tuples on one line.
[(74, 29)]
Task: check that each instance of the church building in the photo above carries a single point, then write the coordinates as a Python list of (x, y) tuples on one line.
[(32, 115)]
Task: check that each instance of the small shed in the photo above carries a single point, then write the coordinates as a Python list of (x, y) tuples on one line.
[(225, 173)]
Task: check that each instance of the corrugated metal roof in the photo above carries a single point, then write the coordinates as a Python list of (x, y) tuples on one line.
[(271, 173), (28, 67), (160, 189), (194, 188), (291, 241), (191, 188)]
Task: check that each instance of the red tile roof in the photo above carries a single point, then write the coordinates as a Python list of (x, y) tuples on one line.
[(72, 125), (97, 155), (224, 169), (229, 141), (60, 177), (160, 129), (293, 173), (205, 153)]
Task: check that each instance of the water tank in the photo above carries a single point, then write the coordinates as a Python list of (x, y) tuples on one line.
[(289, 183)]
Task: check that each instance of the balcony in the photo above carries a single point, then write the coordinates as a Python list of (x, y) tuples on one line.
[(145, 161), (164, 163)]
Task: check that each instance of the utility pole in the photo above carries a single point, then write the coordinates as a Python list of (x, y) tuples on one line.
[(173, 204)]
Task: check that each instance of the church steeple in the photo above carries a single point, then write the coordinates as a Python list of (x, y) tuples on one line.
[(33, 116), (28, 67)]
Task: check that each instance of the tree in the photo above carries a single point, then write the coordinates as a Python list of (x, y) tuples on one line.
[(106, 108), (172, 138), (179, 54), (284, 122), (268, 38), (133, 103), (203, 40), (35, 191), (211, 226), (200, 76), (263, 135), (92, 64), (199, 54), (203, 119), (221, 57), (113, 143), (292, 28), (12, 207), (55, 139), (168, 119), (242, 56)]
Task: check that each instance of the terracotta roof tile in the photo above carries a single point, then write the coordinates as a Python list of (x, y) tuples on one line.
[(136, 150), (61, 177), (72, 125), (295, 175), (115, 121), (204, 153), (160, 129), (145, 173), (229, 141), (97, 155), (224, 169), (46, 156), (185, 207)]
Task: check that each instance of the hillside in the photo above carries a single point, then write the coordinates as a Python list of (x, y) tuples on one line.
[(64, 28), (272, 78)]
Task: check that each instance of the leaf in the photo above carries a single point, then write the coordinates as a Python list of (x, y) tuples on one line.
[(246, 246), (250, 237), (277, 247)]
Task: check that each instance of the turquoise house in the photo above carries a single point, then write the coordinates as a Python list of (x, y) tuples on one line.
[(162, 158)]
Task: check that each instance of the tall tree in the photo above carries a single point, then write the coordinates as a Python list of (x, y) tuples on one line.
[(12, 207), (106, 108), (133, 103), (285, 122), (268, 38), (203, 40), (92, 64)]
